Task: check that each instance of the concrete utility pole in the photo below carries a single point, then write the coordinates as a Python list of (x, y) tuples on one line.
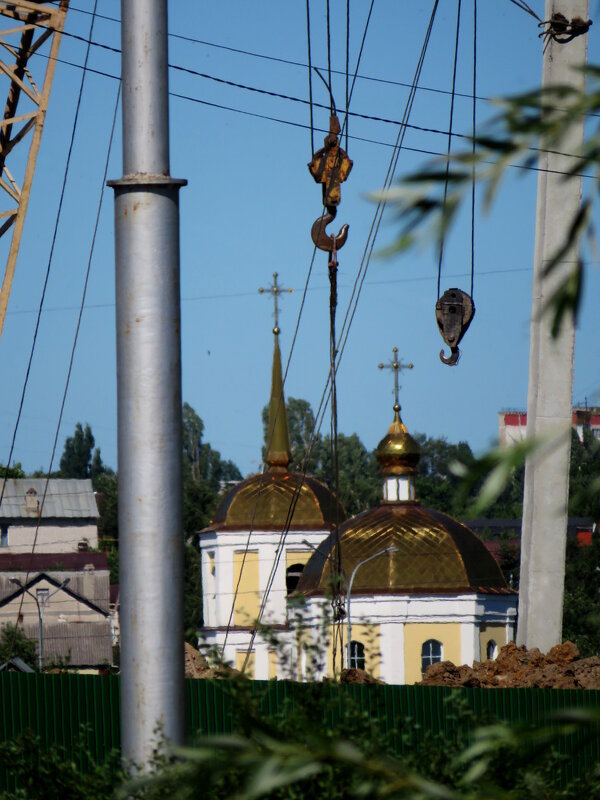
[(550, 394), (149, 394)]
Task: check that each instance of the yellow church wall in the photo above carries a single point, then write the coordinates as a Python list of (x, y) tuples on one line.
[(240, 657), (495, 631), (416, 634), (247, 602), (297, 557), (369, 636), (272, 664)]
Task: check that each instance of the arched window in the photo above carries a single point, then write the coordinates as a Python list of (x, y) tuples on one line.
[(431, 653), (292, 576), (491, 650), (357, 655)]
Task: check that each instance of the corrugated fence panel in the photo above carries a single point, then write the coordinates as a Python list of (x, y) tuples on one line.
[(57, 706)]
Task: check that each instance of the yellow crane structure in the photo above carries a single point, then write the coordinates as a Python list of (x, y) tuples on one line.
[(25, 27)]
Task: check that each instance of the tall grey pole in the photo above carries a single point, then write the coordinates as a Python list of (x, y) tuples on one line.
[(148, 394), (550, 393)]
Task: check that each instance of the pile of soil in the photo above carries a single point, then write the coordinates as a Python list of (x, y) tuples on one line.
[(560, 668), (357, 676)]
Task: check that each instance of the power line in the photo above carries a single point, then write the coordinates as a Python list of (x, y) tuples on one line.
[(290, 62), (45, 286)]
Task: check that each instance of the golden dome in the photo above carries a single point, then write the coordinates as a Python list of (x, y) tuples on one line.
[(434, 554), (263, 502), (398, 453)]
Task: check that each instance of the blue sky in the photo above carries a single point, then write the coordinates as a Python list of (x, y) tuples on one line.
[(247, 212)]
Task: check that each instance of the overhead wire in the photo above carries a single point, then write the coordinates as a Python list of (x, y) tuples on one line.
[(448, 151), (296, 495), (356, 114), (473, 134), (310, 92), (327, 390), (75, 339), (43, 296)]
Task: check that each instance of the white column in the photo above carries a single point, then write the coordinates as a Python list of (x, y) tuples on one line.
[(550, 393)]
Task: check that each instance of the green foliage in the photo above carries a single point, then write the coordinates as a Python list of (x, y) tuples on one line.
[(192, 593), (581, 618), (205, 474), (14, 644), (78, 454), (53, 772), (584, 479), (354, 755), (16, 471)]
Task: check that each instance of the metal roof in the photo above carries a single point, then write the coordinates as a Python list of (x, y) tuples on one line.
[(74, 644), (65, 499)]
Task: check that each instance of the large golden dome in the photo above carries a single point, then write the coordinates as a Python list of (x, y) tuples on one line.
[(263, 502), (434, 554)]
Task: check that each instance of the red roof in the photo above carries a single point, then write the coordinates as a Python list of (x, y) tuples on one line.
[(48, 562)]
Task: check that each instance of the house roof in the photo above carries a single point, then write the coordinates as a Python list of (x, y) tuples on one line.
[(43, 576), (74, 644), (15, 664), (51, 562), (65, 499)]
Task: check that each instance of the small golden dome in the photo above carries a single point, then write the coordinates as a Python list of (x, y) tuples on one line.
[(398, 453), (265, 502)]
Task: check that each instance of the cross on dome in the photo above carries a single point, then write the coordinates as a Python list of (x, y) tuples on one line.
[(275, 290), (396, 366)]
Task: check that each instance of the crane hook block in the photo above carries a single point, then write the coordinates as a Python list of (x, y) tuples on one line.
[(454, 312), (330, 166)]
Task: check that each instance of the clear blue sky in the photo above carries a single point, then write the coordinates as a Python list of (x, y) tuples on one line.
[(247, 212)]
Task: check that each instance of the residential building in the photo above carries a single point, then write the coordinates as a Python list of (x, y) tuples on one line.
[(63, 599), (54, 516)]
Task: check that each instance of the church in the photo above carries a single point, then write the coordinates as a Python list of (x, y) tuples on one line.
[(292, 589)]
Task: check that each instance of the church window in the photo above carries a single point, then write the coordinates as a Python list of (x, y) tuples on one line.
[(357, 655), (292, 575), (431, 653), (491, 650)]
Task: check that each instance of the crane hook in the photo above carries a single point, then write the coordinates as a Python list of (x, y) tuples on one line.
[(324, 241)]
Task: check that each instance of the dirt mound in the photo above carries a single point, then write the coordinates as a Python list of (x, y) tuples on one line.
[(357, 676), (560, 668)]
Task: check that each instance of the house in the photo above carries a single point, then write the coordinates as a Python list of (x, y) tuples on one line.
[(60, 600), (424, 588), (50, 516)]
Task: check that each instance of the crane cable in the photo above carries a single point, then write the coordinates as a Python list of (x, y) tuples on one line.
[(342, 340), (298, 489)]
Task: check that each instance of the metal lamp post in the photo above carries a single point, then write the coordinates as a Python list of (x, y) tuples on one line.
[(40, 608), (348, 593)]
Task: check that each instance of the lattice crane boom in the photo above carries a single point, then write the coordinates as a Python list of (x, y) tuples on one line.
[(25, 26)]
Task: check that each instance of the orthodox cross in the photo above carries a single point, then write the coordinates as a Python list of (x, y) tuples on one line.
[(396, 366), (275, 290)]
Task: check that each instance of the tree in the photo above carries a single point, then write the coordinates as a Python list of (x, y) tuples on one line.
[(205, 473), (192, 593), (78, 454), (16, 471), (359, 479), (584, 479), (14, 644)]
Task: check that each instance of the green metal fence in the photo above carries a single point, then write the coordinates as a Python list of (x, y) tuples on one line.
[(57, 706)]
